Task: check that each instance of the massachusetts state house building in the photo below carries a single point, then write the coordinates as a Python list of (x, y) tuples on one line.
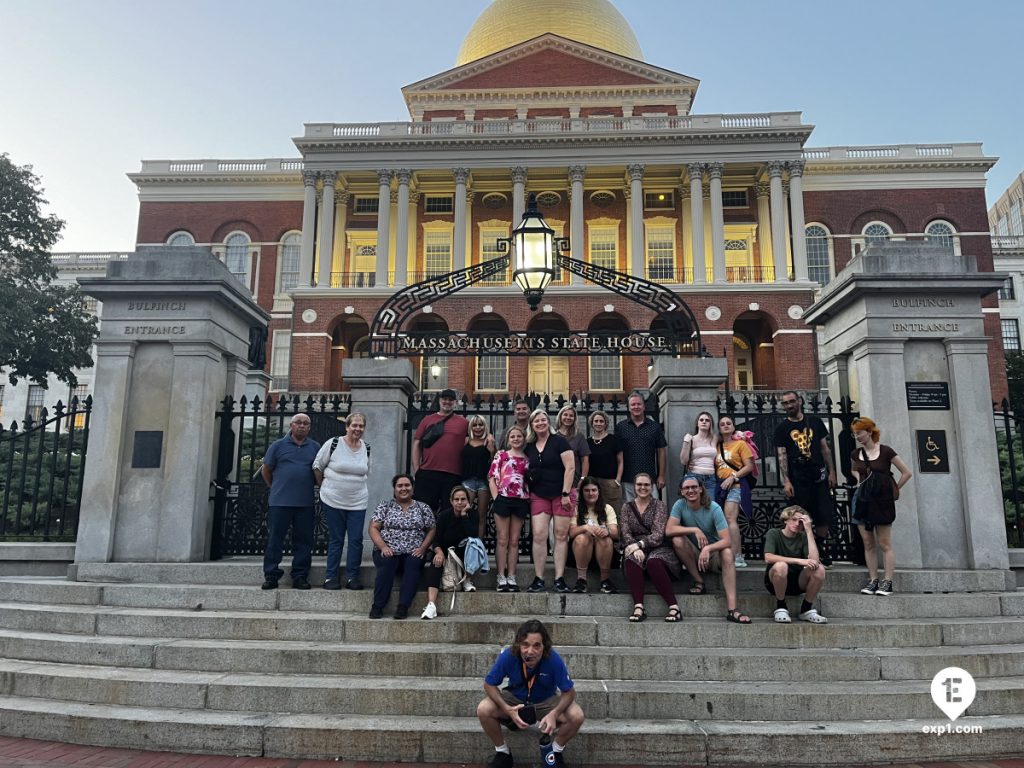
[(735, 213)]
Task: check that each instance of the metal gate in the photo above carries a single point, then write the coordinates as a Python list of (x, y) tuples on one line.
[(1010, 441), (761, 415), (239, 496), (499, 413)]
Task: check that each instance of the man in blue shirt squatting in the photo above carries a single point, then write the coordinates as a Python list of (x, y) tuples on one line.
[(539, 691), (288, 471)]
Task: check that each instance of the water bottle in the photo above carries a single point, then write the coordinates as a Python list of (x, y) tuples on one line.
[(547, 750)]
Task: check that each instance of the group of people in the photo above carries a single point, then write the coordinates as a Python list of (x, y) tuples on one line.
[(595, 496)]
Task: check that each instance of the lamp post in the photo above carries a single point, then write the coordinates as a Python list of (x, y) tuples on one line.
[(533, 245)]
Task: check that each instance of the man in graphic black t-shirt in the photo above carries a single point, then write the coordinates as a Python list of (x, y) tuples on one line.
[(806, 467)]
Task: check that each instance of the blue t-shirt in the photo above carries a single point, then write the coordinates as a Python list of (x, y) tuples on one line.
[(552, 677), (710, 519), (292, 465)]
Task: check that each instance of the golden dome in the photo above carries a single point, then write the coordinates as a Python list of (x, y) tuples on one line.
[(505, 23)]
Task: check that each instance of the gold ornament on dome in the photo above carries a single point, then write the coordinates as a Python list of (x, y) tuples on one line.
[(505, 23)]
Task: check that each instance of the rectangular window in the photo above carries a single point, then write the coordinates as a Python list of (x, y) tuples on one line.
[(437, 247), (605, 373), (36, 402), (1001, 227), (290, 263), (365, 205), (1016, 224), (1011, 334), (734, 198), (89, 305), (819, 265), (659, 201), (439, 204), (280, 360), (1006, 292), (81, 392), (492, 373), (489, 250), (604, 247), (661, 254), (433, 373)]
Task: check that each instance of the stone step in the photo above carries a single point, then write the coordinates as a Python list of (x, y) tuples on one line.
[(459, 739), (403, 695), (249, 572), (673, 663), (498, 628), (760, 604)]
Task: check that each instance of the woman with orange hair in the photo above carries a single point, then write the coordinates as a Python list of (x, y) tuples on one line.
[(875, 512)]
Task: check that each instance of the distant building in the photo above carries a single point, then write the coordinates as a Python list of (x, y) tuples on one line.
[(733, 212), (1007, 226)]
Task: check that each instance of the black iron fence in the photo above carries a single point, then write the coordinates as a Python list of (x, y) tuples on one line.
[(761, 415), (41, 469), (1010, 444), (246, 429), (499, 413)]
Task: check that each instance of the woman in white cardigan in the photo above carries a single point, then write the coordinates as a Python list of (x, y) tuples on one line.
[(341, 468)]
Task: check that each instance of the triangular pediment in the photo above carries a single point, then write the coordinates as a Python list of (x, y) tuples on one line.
[(550, 61)]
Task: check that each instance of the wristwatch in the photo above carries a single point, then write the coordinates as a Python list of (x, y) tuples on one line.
[(565, 494)]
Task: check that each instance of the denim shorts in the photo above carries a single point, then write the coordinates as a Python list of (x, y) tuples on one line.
[(735, 493), (475, 484)]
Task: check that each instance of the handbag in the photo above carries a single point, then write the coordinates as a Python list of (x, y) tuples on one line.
[(434, 432), (454, 572)]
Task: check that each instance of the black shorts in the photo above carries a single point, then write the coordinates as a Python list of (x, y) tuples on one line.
[(506, 507), (792, 583), (816, 498)]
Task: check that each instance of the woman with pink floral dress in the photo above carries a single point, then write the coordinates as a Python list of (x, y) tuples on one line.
[(507, 479)]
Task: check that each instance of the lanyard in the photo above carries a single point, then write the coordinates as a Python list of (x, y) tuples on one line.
[(529, 680)]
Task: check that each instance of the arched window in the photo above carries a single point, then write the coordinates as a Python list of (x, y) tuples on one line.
[(288, 259), (941, 233), (819, 253), (236, 256), (876, 233), (181, 239)]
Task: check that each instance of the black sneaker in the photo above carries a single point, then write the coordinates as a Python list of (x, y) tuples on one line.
[(870, 588), (376, 613), (559, 760), (354, 584), (536, 586), (300, 583), (885, 588), (608, 588), (501, 760), (269, 583), (561, 586), (402, 612), (332, 584), (580, 588)]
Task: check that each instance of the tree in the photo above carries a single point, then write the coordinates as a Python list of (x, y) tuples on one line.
[(1015, 381), (44, 328)]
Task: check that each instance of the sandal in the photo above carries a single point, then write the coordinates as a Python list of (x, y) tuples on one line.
[(674, 615), (639, 614), (736, 617), (699, 588)]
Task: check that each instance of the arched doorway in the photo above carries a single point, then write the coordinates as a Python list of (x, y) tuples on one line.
[(548, 375), (605, 370), (742, 364), (350, 331), (491, 370), (753, 352)]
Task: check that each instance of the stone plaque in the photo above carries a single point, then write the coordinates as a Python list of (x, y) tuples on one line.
[(147, 449), (932, 455), (927, 396)]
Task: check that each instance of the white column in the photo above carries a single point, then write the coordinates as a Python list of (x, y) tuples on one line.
[(383, 226), (789, 234), (414, 204), (467, 256), (404, 176), (709, 260), (627, 195), (686, 224), (323, 278), (700, 274), (778, 206), (576, 175), (798, 225), (764, 232), (459, 237), (340, 233), (717, 221), (308, 228), (518, 195), (636, 213)]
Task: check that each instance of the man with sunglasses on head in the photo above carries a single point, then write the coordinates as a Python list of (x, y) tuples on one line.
[(806, 467)]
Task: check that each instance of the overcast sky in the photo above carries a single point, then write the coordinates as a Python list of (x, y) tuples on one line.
[(88, 88)]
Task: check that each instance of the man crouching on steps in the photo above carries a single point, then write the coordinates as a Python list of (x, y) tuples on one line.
[(793, 565), (539, 691)]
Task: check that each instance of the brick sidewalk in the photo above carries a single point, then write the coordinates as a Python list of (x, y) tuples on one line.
[(27, 753)]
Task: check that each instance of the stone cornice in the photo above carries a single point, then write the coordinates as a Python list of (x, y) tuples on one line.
[(510, 98)]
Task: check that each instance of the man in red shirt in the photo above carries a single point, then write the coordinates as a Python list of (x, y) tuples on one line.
[(438, 467)]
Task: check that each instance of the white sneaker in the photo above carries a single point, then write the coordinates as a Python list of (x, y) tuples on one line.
[(511, 584), (739, 561), (467, 586), (430, 612), (813, 617), (502, 582)]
